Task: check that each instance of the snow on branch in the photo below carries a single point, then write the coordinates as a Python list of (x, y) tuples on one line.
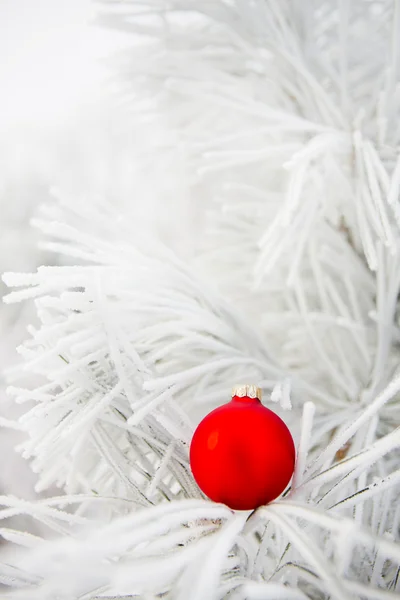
[(284, 117)]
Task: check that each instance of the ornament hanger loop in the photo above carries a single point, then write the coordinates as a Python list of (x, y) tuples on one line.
[(250, 391)]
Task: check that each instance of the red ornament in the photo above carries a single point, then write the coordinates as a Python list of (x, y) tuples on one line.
[(242, 454)]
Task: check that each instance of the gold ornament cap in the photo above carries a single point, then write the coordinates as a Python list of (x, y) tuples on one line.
[(251, 391)]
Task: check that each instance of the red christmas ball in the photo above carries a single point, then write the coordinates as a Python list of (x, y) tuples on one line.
[(242, 454)]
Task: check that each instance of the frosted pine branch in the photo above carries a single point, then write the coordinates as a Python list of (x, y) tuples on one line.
[(284, 118), (114, 422), (112, 370)]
